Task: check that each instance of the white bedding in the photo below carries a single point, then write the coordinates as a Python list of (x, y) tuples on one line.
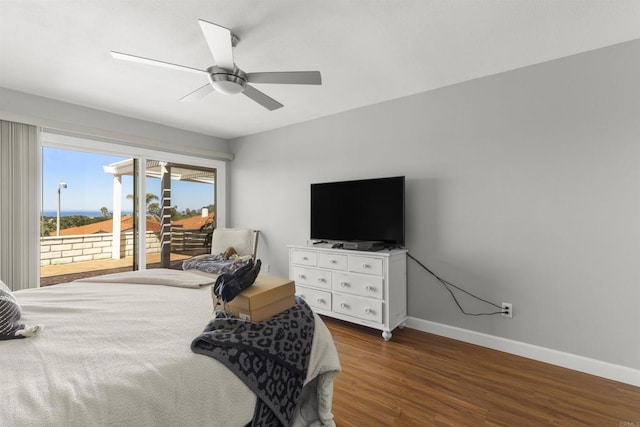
[(119, 354), (157, 276)]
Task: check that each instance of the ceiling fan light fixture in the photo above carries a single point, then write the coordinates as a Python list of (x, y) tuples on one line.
[(225, 77), (227, 87), (227, 82)]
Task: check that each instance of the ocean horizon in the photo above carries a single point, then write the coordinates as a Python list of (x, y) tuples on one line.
[(90, 214)]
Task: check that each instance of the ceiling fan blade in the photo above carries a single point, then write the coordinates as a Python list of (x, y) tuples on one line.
[(220, 43), (262, 99), (198, 94), (155, 62), (287, 77)]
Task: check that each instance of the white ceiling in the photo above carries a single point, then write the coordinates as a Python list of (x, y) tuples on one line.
[(367, 51)]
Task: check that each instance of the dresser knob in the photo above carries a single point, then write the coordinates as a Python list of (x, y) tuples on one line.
[(365, 265), (344, 284), (322, 280), (320, 301), (333, 261), (367, 311), (302, 276), (343, 305), (368, 288), (304, 258)]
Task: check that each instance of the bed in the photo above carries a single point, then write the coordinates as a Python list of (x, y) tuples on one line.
[(116, 350)]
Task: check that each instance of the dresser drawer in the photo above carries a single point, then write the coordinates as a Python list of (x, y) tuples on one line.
[(332, 261), (311, 277), (365, 265), (304, 257), (315, 297), (366, 286), (362, 308)]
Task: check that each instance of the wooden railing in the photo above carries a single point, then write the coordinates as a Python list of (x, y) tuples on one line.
[(188, 241)]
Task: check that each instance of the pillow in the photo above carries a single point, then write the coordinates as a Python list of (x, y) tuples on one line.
[(10, 328)]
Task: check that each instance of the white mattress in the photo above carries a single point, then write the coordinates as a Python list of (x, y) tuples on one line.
[(119, 354)]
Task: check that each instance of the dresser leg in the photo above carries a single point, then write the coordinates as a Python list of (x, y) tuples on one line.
[(386, 335)]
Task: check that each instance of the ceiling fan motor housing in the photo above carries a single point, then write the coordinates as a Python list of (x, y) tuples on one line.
[(226, 77), (227, 82)]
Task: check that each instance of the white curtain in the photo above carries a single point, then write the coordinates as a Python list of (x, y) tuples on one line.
[(19, 224)]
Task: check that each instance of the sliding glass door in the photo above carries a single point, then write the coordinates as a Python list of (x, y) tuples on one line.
[(179, 212), (77, 233), (106, 212)]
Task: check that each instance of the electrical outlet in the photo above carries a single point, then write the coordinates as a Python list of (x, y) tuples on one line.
[(507, 309)]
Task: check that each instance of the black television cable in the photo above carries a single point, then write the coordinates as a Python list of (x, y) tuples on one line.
[(448, 287)]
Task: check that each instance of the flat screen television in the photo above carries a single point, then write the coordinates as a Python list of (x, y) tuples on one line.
[(360, 210)]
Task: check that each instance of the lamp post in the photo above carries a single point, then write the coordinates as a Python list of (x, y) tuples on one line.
[(61, 185)]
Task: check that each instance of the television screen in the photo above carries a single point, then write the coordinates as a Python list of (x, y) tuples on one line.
[(368, 209)]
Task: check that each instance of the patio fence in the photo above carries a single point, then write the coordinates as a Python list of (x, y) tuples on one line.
[(89, 247)]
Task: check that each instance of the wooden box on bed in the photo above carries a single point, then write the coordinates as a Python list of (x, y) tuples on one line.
[(268, 296)]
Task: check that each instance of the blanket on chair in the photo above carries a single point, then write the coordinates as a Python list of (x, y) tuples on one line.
[(214, 264), (271, 357)]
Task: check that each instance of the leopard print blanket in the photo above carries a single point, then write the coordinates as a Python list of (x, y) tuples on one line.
[(271, 357)]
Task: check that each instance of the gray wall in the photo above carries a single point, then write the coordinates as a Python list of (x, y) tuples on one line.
[(56, 115), (522, 187)]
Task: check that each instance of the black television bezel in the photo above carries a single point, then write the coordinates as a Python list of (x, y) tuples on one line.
[(337, 237)]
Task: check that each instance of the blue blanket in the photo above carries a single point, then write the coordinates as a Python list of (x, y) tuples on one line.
[(271, 357)]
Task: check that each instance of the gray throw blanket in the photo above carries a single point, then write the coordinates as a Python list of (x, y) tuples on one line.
[(214, 264), (271, 357)]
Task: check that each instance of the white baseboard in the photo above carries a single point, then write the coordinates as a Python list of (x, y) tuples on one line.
[(599, 368)]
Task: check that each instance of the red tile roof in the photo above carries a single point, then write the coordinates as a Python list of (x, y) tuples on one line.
[(194, 222), (106, 226)]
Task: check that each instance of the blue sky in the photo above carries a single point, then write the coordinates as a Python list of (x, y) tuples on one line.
[(89, 188)]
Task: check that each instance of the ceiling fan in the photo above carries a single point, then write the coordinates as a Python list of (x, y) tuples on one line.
[(225, 77)]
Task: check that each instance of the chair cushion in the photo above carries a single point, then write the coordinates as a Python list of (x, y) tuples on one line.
[(239, 238)]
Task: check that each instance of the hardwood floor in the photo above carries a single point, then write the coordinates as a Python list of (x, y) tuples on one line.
[(420, 379)]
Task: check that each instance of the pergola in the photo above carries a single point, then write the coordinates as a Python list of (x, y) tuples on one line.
[(166, 172)]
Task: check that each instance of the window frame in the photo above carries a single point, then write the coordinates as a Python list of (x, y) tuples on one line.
[(49, 138)]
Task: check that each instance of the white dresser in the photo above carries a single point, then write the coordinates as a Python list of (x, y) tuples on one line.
[(367, 288)]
